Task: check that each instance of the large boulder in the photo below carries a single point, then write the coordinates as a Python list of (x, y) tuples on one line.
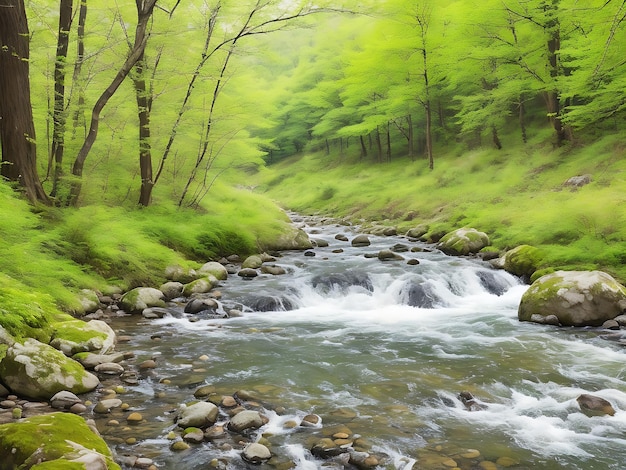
[(463, 241), (136, 300), (74, 336), (56, 440), (38, 371), (200, 286), (576, 298), (291, 239), (198, 415)]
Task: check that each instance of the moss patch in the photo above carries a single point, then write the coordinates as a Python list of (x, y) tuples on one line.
[(48, 436)]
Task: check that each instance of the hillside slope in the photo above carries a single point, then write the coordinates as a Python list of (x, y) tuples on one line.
[(517, 195)]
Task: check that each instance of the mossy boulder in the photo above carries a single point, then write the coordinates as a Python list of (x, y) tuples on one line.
[(522, 261), (215, 269), (576, 298), (200, 286), (38, 371), (252, 262), (463, 241), (53, 441), (291, 239), (76, 336), (417, 232), (140, 298), (89, 301)]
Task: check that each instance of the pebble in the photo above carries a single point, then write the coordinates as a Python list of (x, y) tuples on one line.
[(471, 454), (179, 445), (487, 465), (7, 404), (506, 462), (109, 368), (78, 408), (134, 417), (204, 358), (229, 402), (143, 462), (148, 364)]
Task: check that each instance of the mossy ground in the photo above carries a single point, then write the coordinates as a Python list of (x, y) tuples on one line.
[(516, 195)]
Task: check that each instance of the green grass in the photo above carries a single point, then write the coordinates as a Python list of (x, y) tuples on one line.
[(516, 195)]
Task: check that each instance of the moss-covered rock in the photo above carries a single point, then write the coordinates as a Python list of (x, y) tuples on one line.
[(76, 336), (89, 301), (576, 298), (200, 286), (53, 441), (290, 239), (522, 261), (215, 269), (252, 262), (417, 232), (463, 241), (38, 371), (135, 300)]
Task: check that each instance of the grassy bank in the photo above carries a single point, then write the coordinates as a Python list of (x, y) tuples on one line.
[(516, 195), (47, 255)]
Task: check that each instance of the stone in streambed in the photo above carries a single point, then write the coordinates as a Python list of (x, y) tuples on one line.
[(592, 405), (198, 415), (256, 453), (64, 400), (248, 419), (360, 241), (140, 298)]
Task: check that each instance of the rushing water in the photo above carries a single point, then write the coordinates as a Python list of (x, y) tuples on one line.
[(361, 358)]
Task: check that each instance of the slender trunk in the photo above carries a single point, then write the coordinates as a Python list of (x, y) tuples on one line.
[(143, 97), (79, 114), (327, 147), (410, 138), (141, 37), (17, 130), (522, 120), (388, 143), (496, 139), (379, 146), (552, 96), (363, 148), (60, 112)]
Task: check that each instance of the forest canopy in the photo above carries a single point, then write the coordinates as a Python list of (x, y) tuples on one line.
[(183, 93)]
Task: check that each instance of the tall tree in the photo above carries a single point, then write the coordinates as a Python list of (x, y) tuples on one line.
[(17, 130)]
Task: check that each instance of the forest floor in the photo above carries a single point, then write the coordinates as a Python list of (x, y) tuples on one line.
[(517, 195)]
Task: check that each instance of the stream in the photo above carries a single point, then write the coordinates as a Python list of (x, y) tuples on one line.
[(381, 350)]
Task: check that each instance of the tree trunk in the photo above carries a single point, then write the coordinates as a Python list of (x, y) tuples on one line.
[(379, 146), (143, 96), (522, 120), (363, 148), (60, 113), (17, 130), (388, 143), (409, 123), (79, 114), (552, 96), (495, 138), (144, 11)]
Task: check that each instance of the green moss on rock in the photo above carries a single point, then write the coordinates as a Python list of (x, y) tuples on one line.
[(522, 260), (54, 439)]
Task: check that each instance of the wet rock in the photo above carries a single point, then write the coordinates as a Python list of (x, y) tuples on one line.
[(200, 305), (319, 242), (341, 237), (400, 248), (148, 364), (611, 325), (78, 408), (172, 289), (204, 391), (360, 241), (470, 402), (229, 402), (74, 336), (325, 448), (179, 446), (252, 262), (134, 417), (198, 415), (109, 368), (256, 453), (521, 261), (545, 320), (63, 400), (311, 420), (247, 419), (388, 255), (194, 436), (309, 253), (417, 232), (91, 360), (363, 460), (200, 286), (592, 405), (492, 283), (215, 432), (270, 303), (273, 270), (248, 273), (413, 262), (152, 313), (105, 406), (421, 295), (342, 281)]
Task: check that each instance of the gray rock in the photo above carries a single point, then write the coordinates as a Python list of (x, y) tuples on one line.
[(256, 453), (388, 255), (578, 181), (140, 298), (105, 406), (152, 313), (248, 273), (200, 305), (248, 419), (172, 289), (360, 241), (577, 298), (64, 400), (91, 360), (36, 370), (200, 286), (198, 415), (89, 300), (273, 270), (109, 368), (215, 269), (180, 274)]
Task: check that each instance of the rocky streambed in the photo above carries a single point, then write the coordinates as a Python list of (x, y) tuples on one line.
[(362, 351)]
